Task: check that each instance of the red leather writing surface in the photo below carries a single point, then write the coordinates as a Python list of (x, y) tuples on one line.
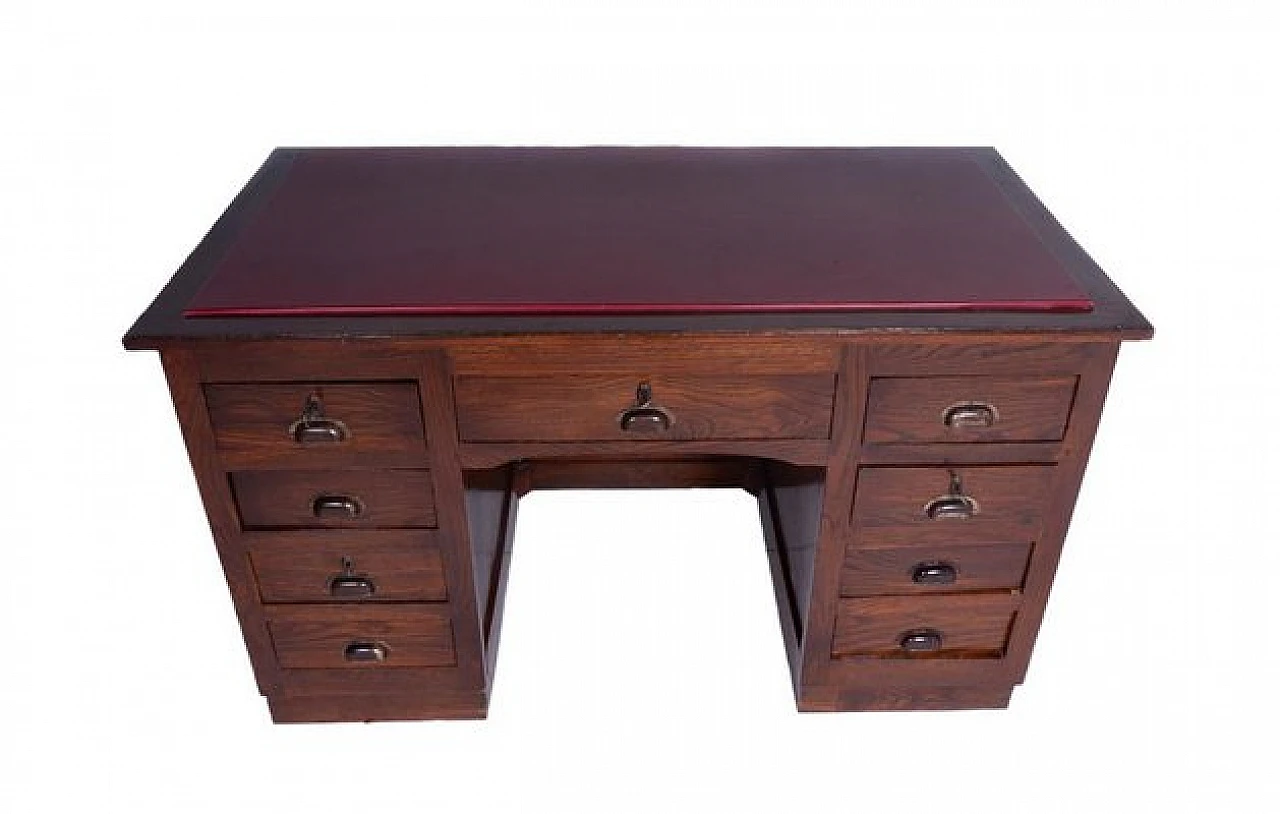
[(617, 230)]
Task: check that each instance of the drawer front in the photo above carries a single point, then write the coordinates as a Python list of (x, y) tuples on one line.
[(967, 409), (392, 498), (956, 504), (347, 566), (934, 569), (924, 626), (317, 423), (614, 408), (362, 637)]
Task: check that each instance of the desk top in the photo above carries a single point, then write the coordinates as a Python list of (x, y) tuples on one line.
[(615, 231), (430, 241)]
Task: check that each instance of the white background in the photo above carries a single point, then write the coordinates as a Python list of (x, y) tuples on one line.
[(642, 668)]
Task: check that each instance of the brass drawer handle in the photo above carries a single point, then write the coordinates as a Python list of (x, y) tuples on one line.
[(921, 640), (342, 507), (645, 418), (349, 584), (348, 587), (969, 415), (313, 428), (934, 573), (951, 507), (366, 651), (955, 505)]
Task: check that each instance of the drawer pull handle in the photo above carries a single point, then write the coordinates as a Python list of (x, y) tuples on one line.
[(352, 587), (923, 640), (349, 584), (951, 507), (955, 505), (645, 417), (366, 651), (313, 428), (340, 507), (934, 573), (970, 415)]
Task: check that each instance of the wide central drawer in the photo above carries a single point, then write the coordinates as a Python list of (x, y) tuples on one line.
[(640, 407)]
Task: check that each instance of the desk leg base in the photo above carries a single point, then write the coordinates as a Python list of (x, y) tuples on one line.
[(298, 709), (833, 699)]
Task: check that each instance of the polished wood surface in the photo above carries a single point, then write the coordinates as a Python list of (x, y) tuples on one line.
[(931, 569), (267, 425), (960, 409), (370, 566), (323, 637), (838, 424), (596, 408), (391, 498)]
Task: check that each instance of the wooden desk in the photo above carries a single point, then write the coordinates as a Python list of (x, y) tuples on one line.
[(374, 353)]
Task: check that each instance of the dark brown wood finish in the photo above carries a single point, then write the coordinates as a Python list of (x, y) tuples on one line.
[(933, 569), (347, 566), (609, 408), (335, 498), (331, 637), (317, 425), (967, 409), (837, 422), (964, 626)]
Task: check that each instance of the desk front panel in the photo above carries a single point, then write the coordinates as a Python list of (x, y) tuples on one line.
[(915, 491)]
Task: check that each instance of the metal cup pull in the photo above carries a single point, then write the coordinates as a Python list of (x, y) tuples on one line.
[(951, 507), (337, 507), (349, 584), (922, 640), (366, 651), (955, 505), (645, 418), (970, 415), (934, 573), (314, 428)]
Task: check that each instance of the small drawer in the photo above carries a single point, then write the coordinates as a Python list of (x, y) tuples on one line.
[(924, 626), (956, 504), (317, 424), (643, 407), (967, 409), (380, 498), (347, 566), (318, 637), (934, 569)]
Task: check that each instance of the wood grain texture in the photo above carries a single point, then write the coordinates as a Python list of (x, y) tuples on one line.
[(1011, 502), (1090, 396), (889, 570), (913, 410), (435, 386), (370, 707), (307, 637), (589, 408), (389, 498), (298, 566), (901, 699), (181, 369), (801, 452), (976, 625), (380, 421)]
